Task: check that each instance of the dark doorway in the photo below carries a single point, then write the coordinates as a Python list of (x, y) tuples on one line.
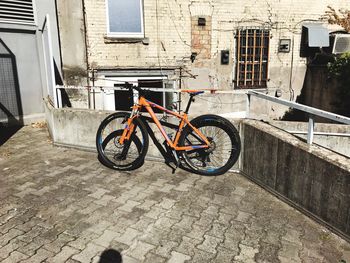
[(11, 113)]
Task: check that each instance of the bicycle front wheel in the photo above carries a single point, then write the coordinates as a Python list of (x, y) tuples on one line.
[(127, 156), (224, 150)]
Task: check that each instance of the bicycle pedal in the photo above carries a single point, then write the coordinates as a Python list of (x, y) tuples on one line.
[(176, 157), (173, 169)]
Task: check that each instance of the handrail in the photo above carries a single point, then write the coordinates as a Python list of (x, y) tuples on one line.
[(298, 106), (312, 111)]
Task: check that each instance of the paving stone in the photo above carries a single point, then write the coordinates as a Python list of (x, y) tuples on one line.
[(104, 200), (154, 258), (32, 247), (128, 237), (29, 236), (224, 255), (186, 222), (143, 223), (155, 212), (210, 243), (165, 223), (13, 245), (166, 203), (15, 257), (40, 256), (128, 207), (12, 223), (177, 257), (139, 250), (84, 238), (100, 227), (188, 245), (247, 254), (88, 253), (5, 239), (165, 247), (60, 242), (98, 193), (65, 253), (106, 238), (289, 250), (202, 256)]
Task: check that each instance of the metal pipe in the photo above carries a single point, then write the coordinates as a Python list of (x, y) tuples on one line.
[(321, 133), (310, 131)]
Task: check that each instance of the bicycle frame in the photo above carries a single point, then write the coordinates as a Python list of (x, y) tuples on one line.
[(148, 105)]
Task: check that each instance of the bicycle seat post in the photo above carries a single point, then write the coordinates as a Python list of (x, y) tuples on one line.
[(189, 103)]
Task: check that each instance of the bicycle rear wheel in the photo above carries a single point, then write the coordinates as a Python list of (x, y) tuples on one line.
[(128, 156), (224, 150)]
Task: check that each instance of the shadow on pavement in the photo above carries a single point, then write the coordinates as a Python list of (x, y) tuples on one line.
[(111, 256), (6, 132)]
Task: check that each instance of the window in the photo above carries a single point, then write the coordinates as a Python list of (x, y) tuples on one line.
[(124, 100), (125, 18), (18, 11), (252, 58)]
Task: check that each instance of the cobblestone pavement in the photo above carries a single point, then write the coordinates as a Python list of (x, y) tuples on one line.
[(62, 205)]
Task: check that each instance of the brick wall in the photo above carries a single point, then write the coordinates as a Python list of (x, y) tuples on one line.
[(201, 37)]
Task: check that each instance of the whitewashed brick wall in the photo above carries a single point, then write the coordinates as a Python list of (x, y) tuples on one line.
[(170, 38)]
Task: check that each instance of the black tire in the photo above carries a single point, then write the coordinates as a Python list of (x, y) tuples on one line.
[(128, 156), (225, 145)]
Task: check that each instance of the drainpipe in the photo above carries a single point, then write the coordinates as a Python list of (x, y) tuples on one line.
[(59, 38), (86, 42), (86, 56)]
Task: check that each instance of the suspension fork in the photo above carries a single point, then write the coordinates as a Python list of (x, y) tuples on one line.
[(129, 126)]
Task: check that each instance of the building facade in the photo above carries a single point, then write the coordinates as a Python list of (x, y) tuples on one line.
[(223, 44)]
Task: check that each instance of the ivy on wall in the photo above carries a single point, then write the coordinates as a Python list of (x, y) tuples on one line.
[(340, 17)]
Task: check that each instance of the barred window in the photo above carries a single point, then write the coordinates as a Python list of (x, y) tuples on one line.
[(17, 11), (252, 58)]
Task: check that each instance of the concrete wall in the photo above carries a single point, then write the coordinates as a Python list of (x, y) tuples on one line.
[(24, 41), (311, 178)]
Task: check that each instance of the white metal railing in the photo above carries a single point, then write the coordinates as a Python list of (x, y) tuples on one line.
[(312, 111)]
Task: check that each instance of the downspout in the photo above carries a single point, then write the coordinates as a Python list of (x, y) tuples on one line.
[(59, 39), (86, 55), (86, 42)]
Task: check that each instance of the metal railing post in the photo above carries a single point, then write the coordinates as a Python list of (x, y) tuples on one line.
[(310, 130), (248, 106), (59, 97)]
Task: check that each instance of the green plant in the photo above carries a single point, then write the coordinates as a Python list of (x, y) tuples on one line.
[(340, 71)]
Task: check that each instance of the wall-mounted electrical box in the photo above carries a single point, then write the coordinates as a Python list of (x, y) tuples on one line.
[(201, 21), (225, 57), (284, 45)]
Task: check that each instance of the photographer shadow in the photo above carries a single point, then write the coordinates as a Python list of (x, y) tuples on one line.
[(110, 256)]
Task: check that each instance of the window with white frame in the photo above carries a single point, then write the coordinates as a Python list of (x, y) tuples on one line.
[(125, 18), (17, 11)]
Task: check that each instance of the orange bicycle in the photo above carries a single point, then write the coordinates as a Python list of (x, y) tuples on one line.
[(206, 145)]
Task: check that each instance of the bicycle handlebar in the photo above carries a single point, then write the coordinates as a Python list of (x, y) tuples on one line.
[(130, 87)]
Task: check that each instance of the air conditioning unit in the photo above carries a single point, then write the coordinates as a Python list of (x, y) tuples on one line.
[(341, 43)]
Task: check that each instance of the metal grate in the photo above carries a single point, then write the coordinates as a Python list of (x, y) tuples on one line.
[(8, 98), (252, 58), (17, 11)]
